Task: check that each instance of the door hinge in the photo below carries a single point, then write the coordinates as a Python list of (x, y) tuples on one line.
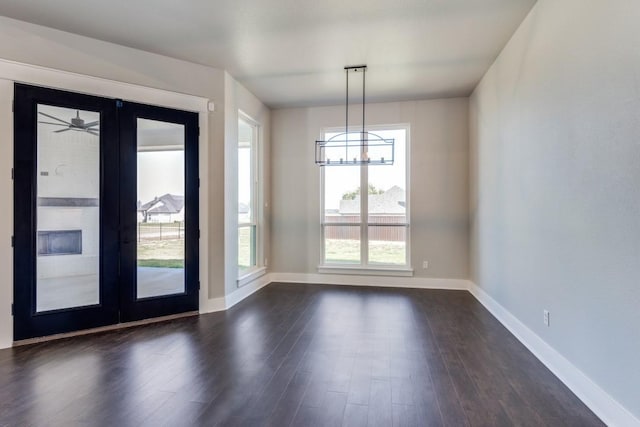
[(198, 130), (198, 284), (13, 105), (12, 174), (198, 233), (12, 311), (13, 241)]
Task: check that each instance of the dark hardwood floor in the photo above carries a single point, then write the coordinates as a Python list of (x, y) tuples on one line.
[(303, 355)]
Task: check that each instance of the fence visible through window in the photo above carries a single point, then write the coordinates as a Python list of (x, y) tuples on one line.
[(160, 231)]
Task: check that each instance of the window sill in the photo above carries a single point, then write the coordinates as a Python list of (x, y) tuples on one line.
[(251, 275), (365, 271)]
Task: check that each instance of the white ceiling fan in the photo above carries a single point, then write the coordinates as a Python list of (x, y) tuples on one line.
[(75, 123)]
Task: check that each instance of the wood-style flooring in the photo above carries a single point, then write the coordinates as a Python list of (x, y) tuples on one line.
[(292, 354)]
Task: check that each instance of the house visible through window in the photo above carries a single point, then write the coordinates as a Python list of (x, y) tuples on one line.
[(248, 206), (365, 217)]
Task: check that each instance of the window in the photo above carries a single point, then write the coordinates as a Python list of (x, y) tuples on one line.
[(248, 206), (367, 229)]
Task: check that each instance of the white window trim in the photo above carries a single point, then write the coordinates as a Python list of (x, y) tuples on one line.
[(364, 268), (253, 272)]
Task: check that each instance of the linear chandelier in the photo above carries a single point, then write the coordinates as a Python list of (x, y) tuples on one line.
[(355, 147)]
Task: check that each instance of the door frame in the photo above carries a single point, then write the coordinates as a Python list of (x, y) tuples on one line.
[(112, 308), (19, 72)]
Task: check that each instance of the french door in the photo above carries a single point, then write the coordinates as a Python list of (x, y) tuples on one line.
[(94, 180), (158, 194)]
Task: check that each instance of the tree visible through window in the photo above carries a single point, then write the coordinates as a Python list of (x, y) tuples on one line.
[(379, 236)]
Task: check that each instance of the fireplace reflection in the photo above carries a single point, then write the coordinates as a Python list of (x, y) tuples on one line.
[(60, 242)]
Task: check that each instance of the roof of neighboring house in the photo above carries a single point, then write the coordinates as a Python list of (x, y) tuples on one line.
[(167, 203), (391, 201)]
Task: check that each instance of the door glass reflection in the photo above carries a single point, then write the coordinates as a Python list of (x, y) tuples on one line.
[(68, 208), (161, 208)]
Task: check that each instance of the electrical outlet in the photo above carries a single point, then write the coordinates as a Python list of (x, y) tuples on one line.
[(546, 317), (425, 264)]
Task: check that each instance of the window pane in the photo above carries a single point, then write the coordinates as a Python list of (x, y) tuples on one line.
[(387, 184), (246, 248), (386, 192), (247, 193), (342, 244), (342, 194), (341, 190), (68, 208), (160, 249), (387, 245), (245, 172)]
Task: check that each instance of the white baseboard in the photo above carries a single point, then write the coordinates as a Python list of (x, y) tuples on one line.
[(212, 305), (599, 401), (247, 290), (361, 280), (224, 303)]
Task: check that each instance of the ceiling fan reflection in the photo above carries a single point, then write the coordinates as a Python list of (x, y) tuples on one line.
[(76, 124)]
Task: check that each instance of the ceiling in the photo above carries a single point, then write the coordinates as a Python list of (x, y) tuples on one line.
[(292, 52)]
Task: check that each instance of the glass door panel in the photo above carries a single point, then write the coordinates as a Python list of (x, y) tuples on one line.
[(160, 208), (159, 212), (67, 208)]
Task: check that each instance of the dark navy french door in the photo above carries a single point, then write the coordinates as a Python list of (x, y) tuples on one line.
[(105, 211)]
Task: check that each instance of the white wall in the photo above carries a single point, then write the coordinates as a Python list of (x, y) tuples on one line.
[(238, 98), (439, 183), (555, 173), (6, 214)]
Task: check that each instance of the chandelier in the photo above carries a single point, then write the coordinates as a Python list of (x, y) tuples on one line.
[(355, 147)]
